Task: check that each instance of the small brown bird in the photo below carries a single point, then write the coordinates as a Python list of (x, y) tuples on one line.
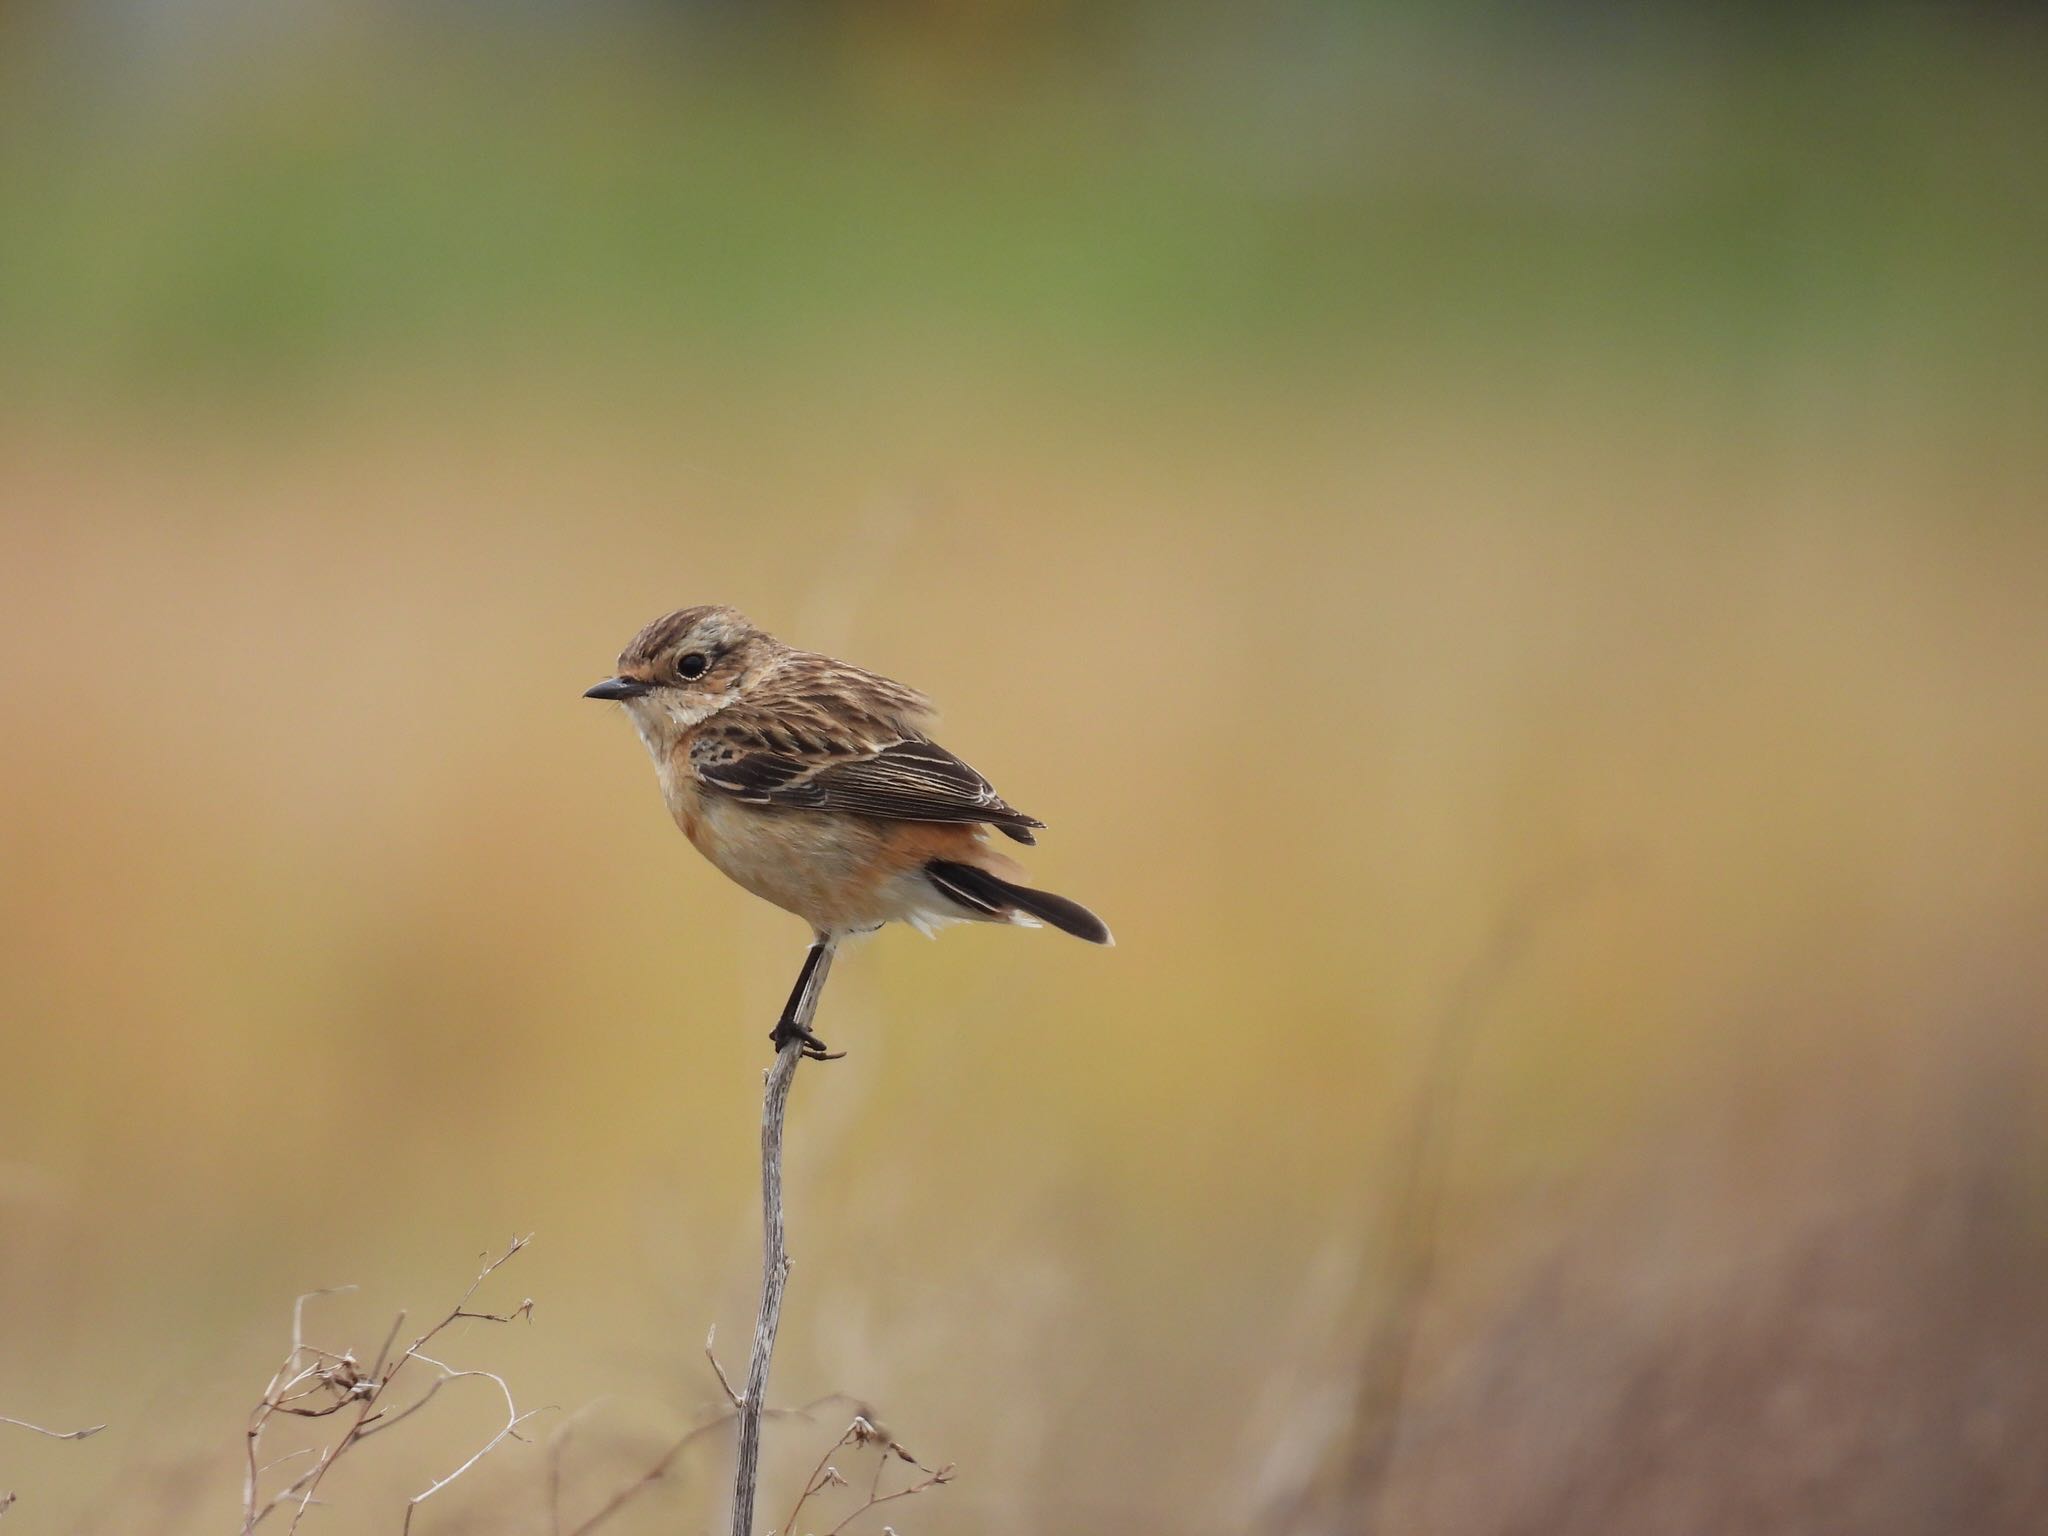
[(813, 784)]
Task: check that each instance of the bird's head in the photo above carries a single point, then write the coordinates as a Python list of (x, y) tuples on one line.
[(685, 667)]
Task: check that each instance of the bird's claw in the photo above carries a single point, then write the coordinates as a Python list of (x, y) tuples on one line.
[(814, 1048)]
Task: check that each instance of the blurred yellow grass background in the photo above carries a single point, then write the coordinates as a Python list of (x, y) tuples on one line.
[(1345, 502)]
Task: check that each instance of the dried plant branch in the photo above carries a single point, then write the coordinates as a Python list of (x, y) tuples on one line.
[(377, 1426), (749, 1406), (55, 1434), (860, 1434), (774, 1255), (316, 1383), (514, 1418), (936, 1479), (823, 1475), (668, 1458), (7, 1498), (711, 1354), (774, 1278)]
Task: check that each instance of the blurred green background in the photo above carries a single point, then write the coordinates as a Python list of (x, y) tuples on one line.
[(1505, 541)]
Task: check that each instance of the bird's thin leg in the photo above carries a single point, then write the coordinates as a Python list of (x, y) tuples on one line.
[(802, 1007)]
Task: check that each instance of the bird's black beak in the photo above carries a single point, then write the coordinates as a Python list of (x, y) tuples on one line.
[(618, 688)]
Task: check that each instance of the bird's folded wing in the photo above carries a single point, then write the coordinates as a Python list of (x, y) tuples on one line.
[(908, 780)]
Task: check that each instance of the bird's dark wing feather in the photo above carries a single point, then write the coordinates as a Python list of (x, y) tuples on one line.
[(913, 779)]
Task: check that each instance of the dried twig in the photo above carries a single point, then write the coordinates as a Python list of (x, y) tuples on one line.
[(55, 1434), (774, 1277), (861, 1433), (316, 1383), (513, 1419), (749, 1406), (665, 1463), (774, 1256), (7, 1498), (711, 1354)]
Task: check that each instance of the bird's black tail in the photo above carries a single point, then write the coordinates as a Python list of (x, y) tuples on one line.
[(994, 896)]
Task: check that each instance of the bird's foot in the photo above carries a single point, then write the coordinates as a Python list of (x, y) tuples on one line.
[(786, 1031)]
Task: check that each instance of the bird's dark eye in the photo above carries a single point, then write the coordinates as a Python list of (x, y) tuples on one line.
[(694, 665)]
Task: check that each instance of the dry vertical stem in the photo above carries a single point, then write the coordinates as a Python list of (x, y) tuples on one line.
[(774, 1256), (774, 1277)]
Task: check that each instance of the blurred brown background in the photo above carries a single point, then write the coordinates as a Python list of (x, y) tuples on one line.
[(1506, 543)]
